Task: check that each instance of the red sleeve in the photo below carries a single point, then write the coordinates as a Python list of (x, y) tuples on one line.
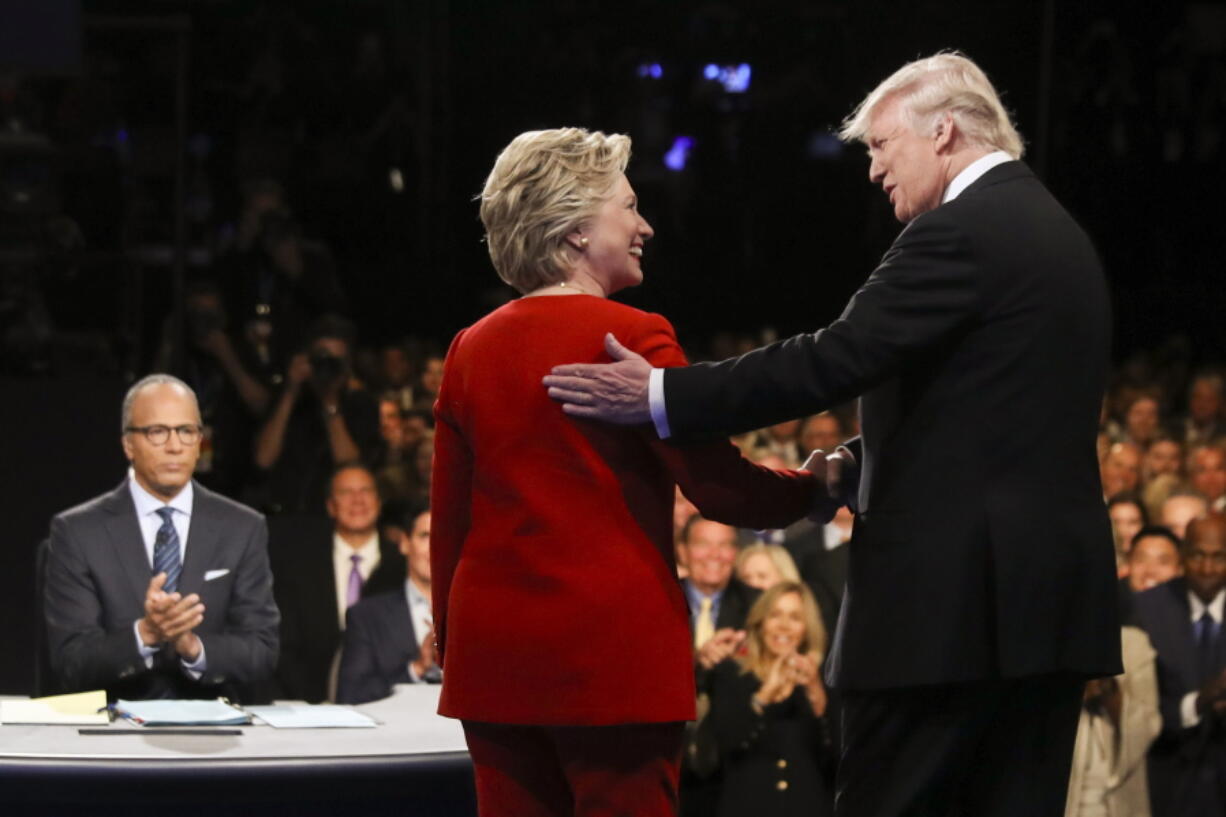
[(450, 497), (722, 484)]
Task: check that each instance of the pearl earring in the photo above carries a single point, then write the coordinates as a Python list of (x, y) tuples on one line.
[(583, 241)]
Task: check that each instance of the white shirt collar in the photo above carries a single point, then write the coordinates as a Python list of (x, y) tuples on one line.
[(972, 172), (146, 503), (1214, 607), (369, 551), (416, 597)]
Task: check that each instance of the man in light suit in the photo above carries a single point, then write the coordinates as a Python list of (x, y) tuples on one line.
[(981, 584), (389, 637), (160, 588)]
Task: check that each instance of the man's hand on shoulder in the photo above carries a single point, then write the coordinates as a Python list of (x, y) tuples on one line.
[(614, 392)]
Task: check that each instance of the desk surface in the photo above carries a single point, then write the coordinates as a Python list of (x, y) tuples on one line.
[(410, 732)]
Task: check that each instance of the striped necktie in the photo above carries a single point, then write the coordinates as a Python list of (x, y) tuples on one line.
[(166, 551)]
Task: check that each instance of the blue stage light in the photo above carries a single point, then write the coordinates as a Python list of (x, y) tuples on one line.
[(711, 71), (679, 153)]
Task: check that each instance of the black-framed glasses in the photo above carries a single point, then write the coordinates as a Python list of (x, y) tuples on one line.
[(159, 434)]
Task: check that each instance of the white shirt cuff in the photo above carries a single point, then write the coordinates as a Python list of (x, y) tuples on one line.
[(195, 668), (146, 652), (655, 399), (1188, 716)]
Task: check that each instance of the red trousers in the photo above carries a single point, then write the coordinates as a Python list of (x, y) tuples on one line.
[(575, 771)]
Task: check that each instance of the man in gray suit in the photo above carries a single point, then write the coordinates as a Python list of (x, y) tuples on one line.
[(160, 588)]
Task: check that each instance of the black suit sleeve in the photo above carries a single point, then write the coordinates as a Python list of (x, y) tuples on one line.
[(362, 677), (83, 653), (925, 289)]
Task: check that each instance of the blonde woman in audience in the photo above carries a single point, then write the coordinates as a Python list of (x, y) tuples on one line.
[(763, 566), (766, 708)]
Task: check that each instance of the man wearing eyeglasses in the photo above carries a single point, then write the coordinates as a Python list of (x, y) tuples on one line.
[(160, 588)]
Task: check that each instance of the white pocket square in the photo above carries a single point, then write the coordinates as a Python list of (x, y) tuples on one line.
[(216, 574)]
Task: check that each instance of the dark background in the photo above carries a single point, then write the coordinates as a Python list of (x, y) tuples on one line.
[(131, 108)]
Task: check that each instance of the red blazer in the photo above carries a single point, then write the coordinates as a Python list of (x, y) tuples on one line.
[(556, 598)]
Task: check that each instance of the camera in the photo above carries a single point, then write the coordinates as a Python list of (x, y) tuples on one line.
[(326, 369)]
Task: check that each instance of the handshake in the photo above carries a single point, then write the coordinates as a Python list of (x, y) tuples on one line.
[(838, 475)]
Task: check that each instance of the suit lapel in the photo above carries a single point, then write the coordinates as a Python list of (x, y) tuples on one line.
[(123, 530), (202, 539), (1184, 642)]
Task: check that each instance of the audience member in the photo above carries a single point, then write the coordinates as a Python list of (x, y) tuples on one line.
[(1142, 422), (719, 604), (762, 566), (320, 420), (275, 278), (1127, 517), (396, 375), (1184, 621), (1119, 721), (1153, 558), (1164, 456), (1207, 474), (230, 383), (821, 431), (321, 572), (428, 383), (1204, 422), (160, 588), (1180, 508), (766, 710), (1121, 469), (389, 639)]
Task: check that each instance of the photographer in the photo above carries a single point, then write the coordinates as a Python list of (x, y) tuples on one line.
[(274, 274), (229, 382), (321, 418)]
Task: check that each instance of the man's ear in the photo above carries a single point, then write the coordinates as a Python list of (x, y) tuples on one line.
[(126, 441), (945, 134)]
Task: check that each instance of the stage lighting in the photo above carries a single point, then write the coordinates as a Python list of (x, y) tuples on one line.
[(651, 70), (679, 153), (734, 78)]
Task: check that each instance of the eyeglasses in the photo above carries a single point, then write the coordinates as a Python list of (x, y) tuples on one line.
[(158, 435), (1217, 558)]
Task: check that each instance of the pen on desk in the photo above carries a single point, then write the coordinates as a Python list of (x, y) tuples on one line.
[(113, 710), (157, 730)]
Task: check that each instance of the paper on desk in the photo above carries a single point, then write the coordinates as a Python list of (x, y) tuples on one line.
[(78, 708), (307, 716), (214, 712)]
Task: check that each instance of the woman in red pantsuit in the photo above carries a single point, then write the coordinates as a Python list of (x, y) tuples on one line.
[(560, 623)]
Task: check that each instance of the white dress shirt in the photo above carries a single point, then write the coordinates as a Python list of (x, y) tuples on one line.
[(1188, 715), (147, 517), (341, 566), (655, 384), (423, 621)]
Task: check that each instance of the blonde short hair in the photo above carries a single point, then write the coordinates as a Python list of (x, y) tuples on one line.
[(756, 659), (778, 555), (544, 186), (944, 83)]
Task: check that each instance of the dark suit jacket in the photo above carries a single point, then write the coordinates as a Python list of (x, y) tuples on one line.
[(379, 643), (980, 348), (306, 594), (97, 575), (787, 742), (1182, 763)]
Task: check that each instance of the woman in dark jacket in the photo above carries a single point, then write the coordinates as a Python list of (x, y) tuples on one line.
[(766, 711)]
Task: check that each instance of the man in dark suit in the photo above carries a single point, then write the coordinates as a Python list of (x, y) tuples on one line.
[(1183, 618), (322, 570), (160, 588), (719, 604), (389, 638), (981, 585)]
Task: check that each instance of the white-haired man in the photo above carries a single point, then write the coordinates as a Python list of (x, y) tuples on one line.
[(981, 587), (160, 588)]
